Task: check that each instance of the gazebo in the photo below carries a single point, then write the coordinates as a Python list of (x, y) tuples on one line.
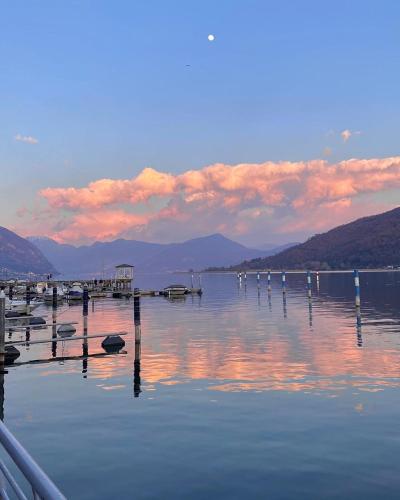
[(123, 276)]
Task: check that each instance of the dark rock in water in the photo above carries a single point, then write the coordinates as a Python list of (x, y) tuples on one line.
[(66, 330), (113, 343), (11, 354), (37, 321)]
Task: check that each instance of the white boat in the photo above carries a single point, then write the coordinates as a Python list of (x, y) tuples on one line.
[(176, 290), (20, 306), (76, 292), (48, 295), (41, 286)]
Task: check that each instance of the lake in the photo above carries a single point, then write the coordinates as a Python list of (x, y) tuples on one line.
[(239, 395)]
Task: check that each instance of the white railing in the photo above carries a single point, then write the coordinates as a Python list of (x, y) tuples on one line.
[(42, 486)]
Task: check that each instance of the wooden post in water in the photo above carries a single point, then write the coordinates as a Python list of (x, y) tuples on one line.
[(2, 329), (358, 307), (357, 287), (85, 348), (192, 280), (269, 281), (318, 281), (54, 297), (138, 340), (200, 281), (258, 279), (2, 349), (283, 282), (28, 299), (54, 320), (309, 284)]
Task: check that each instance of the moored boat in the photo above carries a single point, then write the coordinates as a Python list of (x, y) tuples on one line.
[(48, 295), (20, 306), (176, 290), (76, 292)]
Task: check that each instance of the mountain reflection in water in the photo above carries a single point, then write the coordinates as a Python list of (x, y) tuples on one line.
[(234, 343)]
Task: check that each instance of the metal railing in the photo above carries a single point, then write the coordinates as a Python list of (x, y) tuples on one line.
[(42, 486)]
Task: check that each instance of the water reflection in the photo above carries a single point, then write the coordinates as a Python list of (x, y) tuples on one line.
[(239, 346)]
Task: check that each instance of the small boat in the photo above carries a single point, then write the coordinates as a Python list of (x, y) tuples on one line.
[(48, 295), (40, 288), (76, 292), (20, 306), (176, 290)]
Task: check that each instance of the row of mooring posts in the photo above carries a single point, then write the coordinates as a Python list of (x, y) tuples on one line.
[(309, 294)]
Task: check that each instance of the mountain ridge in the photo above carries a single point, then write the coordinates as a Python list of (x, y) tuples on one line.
[(18, 254), (197, 253), (367, 242)]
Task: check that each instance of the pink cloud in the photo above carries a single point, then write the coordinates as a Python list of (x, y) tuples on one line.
[(248, 197), (99, 225)]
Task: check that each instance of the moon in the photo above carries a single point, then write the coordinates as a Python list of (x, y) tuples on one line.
[(211, 38)]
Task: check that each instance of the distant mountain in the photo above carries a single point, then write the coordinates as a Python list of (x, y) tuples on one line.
[(197, 254), (21, 256), (273, 249), (281, 248), (369, 242)]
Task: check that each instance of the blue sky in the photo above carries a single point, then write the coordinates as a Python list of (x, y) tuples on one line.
[(109, 88)]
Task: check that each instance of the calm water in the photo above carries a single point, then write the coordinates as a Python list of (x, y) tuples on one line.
[(239, 396)]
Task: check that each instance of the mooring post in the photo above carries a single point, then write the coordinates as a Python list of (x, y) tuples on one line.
[(138, 339), (2, 329), (28, 299), (318, 281), (54, 297), (283, 282), (357, 287), (310, 310), (85, 298), (192, 280), (10, 292), (54, 320), (2, 349), (269, 281), (258, 278), (309, 283), (85, 309), (200, 281)]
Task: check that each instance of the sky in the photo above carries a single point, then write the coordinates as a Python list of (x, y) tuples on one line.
[(122, 119)]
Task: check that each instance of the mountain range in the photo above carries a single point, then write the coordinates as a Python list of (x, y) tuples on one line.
[(197, 254), (20, 255), (369, 242)]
